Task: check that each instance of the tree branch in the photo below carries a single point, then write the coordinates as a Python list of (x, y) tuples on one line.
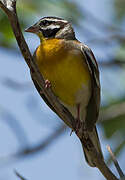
[(9, 7), (121, 174)]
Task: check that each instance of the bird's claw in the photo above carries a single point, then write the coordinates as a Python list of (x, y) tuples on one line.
[(47, 84)]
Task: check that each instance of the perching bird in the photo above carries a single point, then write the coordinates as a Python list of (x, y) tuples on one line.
[(70, 69)]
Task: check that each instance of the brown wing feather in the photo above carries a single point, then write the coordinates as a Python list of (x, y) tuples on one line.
[(94, 102)]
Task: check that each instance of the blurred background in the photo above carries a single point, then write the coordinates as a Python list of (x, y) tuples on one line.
[(33, 140)]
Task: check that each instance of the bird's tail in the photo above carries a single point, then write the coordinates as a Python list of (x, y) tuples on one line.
[(95, 140)]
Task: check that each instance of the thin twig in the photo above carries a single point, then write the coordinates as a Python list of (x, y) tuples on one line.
[(21, 177), (121, 174)]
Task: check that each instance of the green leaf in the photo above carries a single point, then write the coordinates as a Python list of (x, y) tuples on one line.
[(120, 53), (5, 27), (112, 125), (119, 9)]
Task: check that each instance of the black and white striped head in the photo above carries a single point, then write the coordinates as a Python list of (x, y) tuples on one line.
[(52, 27)]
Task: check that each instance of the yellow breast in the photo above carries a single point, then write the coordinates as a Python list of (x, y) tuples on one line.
[(64, 68)]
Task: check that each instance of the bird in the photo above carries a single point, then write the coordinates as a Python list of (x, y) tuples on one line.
[(70, 69)]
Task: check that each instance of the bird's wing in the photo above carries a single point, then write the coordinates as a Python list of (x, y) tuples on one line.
[(94, 102)]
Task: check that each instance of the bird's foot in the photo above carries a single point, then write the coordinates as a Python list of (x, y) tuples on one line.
[(78, 121), (78, 125), (47, 84), (77, 128), (85, 132)]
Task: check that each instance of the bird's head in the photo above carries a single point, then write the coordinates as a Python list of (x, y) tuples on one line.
[(52, 27)]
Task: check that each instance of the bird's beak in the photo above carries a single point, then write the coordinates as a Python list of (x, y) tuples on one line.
[(32, 29)]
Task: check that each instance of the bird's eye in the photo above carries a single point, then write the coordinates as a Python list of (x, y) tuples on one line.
[(44, 23)]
